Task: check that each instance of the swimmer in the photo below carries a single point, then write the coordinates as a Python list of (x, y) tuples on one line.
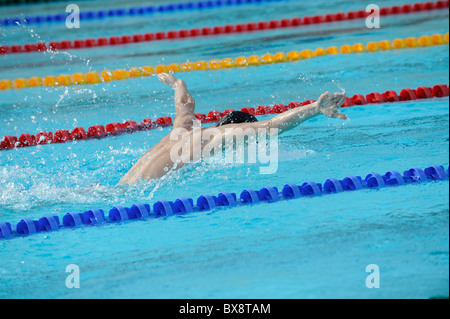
[(157, 162)]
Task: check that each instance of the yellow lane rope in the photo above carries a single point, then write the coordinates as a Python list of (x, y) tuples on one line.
[(215, 64)]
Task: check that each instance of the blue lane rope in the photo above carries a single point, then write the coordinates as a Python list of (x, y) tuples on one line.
[(132, 11), (207, 202)]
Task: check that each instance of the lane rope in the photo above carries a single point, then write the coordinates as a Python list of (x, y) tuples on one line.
[(94, 77), (19, 2), (206, 202), (216, 30), (113, 129), (131, 11)]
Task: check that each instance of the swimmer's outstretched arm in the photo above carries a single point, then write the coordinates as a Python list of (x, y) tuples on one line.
[(327, 104), (184, 102)]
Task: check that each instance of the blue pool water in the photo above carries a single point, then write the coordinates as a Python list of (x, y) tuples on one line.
[(315, 247)]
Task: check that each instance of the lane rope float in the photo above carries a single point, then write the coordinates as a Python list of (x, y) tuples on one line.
[(206, 202), (131, 11), (19, 2), (216, 30), (114, 129), (94, 77)]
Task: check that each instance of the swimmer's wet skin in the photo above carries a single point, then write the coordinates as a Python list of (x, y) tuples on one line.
[(157, 162)]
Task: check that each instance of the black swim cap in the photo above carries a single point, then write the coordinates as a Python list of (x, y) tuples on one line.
[(236, 117)]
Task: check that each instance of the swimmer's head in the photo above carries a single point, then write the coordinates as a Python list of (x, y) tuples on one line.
[(237, 117)]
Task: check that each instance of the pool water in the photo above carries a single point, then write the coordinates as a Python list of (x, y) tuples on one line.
[(315, 247)]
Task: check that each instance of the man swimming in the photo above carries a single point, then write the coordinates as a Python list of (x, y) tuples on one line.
[(158, 161)]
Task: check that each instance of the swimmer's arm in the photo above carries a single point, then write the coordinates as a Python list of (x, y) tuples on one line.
[(327, 104), (183, 99), (184, 102)]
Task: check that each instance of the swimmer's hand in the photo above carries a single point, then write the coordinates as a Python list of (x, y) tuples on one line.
[(329, 104), (168, 79)]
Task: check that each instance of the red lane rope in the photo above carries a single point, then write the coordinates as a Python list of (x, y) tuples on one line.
[(113, 129), (218, 30)]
